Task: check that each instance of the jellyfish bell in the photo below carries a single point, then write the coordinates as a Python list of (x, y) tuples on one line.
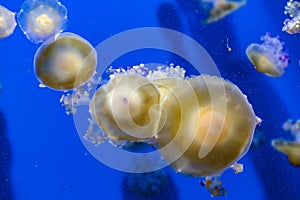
[(269, 57), (65, 62), (263, 60), (223, 125), (7, 22), (223, 8), (127, 108), (290, 149), (41, 19)]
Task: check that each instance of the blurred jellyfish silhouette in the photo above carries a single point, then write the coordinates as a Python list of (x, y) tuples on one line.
[(214, 186), (259, 139), (292, 25), (42, 19), (7, 22), (154, 185), (269, 57), (222, 8), (65, 62), (290, 148), (6, 188)]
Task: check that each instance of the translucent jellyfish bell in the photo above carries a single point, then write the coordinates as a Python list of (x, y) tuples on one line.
[(42, 19), (127, 108), (269, 57), (7, 22), (221, 8), (208, 135), (65, 62), (290, 148)]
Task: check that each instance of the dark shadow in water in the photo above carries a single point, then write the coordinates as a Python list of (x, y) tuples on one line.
[(278, 178), (154, 185), (6, 192), (168, 17)]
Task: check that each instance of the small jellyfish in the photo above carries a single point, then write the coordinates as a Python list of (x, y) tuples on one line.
[(269, 57), (209, 135), (292, 26), (290, 148), (7, 22), (42, 19), (126, 107), (222, 8), (65, 62)]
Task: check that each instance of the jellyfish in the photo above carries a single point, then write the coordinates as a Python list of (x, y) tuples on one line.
[(214, 125), (292, 26), (7, 22), (65, 62), (269, 57), (41, 19), (222, 8), (201, 135), (290, 148), (127, 108)]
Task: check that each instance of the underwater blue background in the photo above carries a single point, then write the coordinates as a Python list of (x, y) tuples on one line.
[(41, 155)]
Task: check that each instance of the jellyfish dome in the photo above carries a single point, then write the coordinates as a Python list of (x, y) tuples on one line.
[(269, 57), (65, 62), (292, 26), (222, 8), (7, 22), (41, 19), (127, 108), (214, 125), (290, 148)]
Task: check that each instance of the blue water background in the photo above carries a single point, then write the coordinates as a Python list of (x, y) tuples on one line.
[(42, 155)]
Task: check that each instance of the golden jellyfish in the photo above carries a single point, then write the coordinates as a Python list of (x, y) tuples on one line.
[(65, 62), (7, 22), (127, 108), (290, 148), (269, 57), (222, 8), (201, 126), (42, 19), (209, 125)]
